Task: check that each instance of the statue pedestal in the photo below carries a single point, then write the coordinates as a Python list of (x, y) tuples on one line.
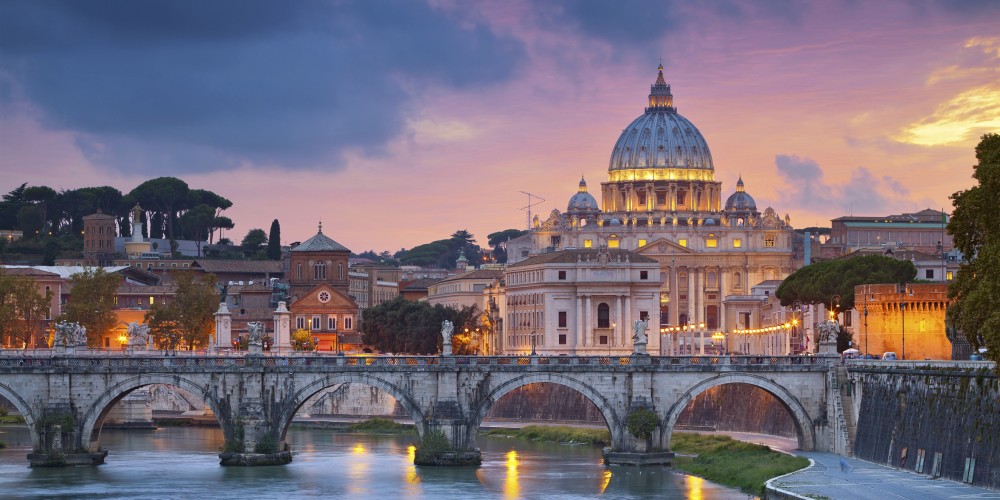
[(255, 349), (640, 347), (446, 350)]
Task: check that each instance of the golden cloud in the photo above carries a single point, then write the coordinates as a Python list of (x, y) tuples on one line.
[(961, 118)]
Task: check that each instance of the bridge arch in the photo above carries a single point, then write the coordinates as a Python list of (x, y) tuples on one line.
[(603, 405), (24, 409), (94, 417), (299, 397), (803, 423)]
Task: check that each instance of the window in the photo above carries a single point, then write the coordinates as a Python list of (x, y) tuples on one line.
[(555, 240), (612, 243), (681, 194), (737, 243), (929, 274), (588, 243), (643, 315), (331, 322), (711, 241), (319, 271), (151, 300), (315, 323), (300, 322), (644, 275), (348, 323), (769, 240), (949, 275), (604, 340), (642, 243), (562, 338), (298, 271), (661, 197), (562, 319), (340, 271), (682, 242), (737, 282), (603, 316), (640, 199), (562, 275)]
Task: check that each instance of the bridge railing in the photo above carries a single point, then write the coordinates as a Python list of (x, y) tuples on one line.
[(45, 358)]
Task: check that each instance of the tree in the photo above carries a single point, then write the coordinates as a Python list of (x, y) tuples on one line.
[(254, 241), (404, 326), (274, 241), (163, 326), (821, 281), (22, 311), (302, 341), (164, 195), (197, 222), (976, 234), (12, 202), (91, 302), (195, 302), (498, 241)]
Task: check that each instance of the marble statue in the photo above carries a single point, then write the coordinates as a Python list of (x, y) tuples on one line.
[(138, 334), (70, 334), (828, 331), (255, 333), (639, 331), (446, 330)]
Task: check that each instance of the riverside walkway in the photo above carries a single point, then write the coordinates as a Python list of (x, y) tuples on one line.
[(866, 480)]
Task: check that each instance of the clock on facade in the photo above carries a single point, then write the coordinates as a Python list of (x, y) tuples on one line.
[(324, 297)]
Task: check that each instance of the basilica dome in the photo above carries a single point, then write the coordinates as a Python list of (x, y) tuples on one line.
[(661, 138), (582, 202), (740, 201)]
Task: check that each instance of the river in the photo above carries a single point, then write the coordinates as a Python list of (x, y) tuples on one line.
[(183, 463)]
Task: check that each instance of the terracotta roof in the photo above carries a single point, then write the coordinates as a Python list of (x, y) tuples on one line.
[(478, 274), (26, 271), (417, 284), (617, 255), (240, 266)]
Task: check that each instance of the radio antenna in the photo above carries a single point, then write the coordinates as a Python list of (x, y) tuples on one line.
[(527, 208)]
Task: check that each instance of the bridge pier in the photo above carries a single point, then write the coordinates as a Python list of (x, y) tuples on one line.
[(58, 440), (253, 439)]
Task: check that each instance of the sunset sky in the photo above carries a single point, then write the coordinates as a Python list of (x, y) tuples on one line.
[(397, 123)]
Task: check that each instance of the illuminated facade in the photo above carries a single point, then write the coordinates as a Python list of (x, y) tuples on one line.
[(661, 200)]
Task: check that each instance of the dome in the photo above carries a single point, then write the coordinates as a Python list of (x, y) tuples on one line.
[(740, 201), (582, 202), (661, 138)]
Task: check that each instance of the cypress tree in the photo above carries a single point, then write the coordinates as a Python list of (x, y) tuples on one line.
[(274, 241)]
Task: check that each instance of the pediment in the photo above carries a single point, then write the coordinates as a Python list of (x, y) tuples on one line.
[(323, 296), (663, 246)]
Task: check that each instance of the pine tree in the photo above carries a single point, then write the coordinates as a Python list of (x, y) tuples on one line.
[(274, 241)]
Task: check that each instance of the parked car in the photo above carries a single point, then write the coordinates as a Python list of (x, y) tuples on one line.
[(889, 356)]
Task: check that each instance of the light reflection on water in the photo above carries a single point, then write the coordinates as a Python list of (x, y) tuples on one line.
[(183, 463)]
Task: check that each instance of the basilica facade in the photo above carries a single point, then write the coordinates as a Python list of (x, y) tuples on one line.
[(662, 202)]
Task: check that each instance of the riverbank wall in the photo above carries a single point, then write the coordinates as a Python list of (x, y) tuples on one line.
[(935, 418)]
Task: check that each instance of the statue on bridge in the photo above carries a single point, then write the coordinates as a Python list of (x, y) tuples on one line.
[(255, 333), (69, 334), (639, 335), (138, 334), (446, 330)]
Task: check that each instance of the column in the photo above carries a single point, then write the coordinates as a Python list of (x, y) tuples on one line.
[(691, 318), (628, 320), (701, 343), (579, 323), (618, 320), (788, 342), (723, 290), (587, 330), (674, 301), (223, 326), (699, 286)]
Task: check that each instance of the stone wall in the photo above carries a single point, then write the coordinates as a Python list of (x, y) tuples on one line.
[(739, 408), (930, 419)]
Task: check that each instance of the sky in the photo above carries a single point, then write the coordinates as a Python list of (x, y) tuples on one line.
[(396, 123)]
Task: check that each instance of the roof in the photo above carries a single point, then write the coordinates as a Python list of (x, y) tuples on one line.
[(768, 283), (417, 284), (616, 255), (66, 272), (478, 274), (26, 271), (320, 243), (927, 215), (240, 266)]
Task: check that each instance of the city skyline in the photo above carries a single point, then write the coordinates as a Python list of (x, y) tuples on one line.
[(398, 123)]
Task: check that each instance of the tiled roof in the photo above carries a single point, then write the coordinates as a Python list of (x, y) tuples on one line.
[(418, 284), (590, 254), (240, 266), (478, 274), (320, 243)]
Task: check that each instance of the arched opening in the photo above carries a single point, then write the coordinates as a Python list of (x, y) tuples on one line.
[(603, 315), (344, 399), (547, 397), (138, 403), (741, 402), (22, 436)]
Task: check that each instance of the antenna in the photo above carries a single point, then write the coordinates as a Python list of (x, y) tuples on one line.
[(531, 204)]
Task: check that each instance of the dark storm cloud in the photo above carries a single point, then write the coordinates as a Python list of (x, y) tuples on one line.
[(198, 85)]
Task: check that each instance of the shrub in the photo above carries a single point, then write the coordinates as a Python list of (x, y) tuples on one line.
[(433, 442)]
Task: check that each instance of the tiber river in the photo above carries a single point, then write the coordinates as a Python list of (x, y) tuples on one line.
[(183, 463)]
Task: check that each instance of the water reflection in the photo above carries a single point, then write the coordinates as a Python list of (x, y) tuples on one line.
[(183, 463)]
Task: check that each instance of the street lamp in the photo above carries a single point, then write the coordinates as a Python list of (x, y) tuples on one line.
[(902, 311), (533, 342), (833, 308)]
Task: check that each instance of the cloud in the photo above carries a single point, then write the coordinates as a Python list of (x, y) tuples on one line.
[(861, 192), (189, 86)]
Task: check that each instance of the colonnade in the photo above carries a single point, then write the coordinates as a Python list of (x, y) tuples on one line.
[(769, 341), (699, 196)]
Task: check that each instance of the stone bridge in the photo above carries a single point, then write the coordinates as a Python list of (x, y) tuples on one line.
[(65, 398)]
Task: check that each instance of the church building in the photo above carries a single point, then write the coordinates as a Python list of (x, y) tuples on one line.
[(662, 202)]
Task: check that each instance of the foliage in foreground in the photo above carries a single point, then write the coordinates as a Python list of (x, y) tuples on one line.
[(724, 460), (558, 434), (433, 442), (379, 425)]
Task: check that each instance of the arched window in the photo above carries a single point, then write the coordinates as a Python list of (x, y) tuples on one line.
[(319, 271), (603, 316), (340, 271), (737, 283), (298, 271)]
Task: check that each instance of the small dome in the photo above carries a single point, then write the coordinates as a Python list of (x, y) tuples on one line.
[(582, 202), (615, 222), (740, 201)]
